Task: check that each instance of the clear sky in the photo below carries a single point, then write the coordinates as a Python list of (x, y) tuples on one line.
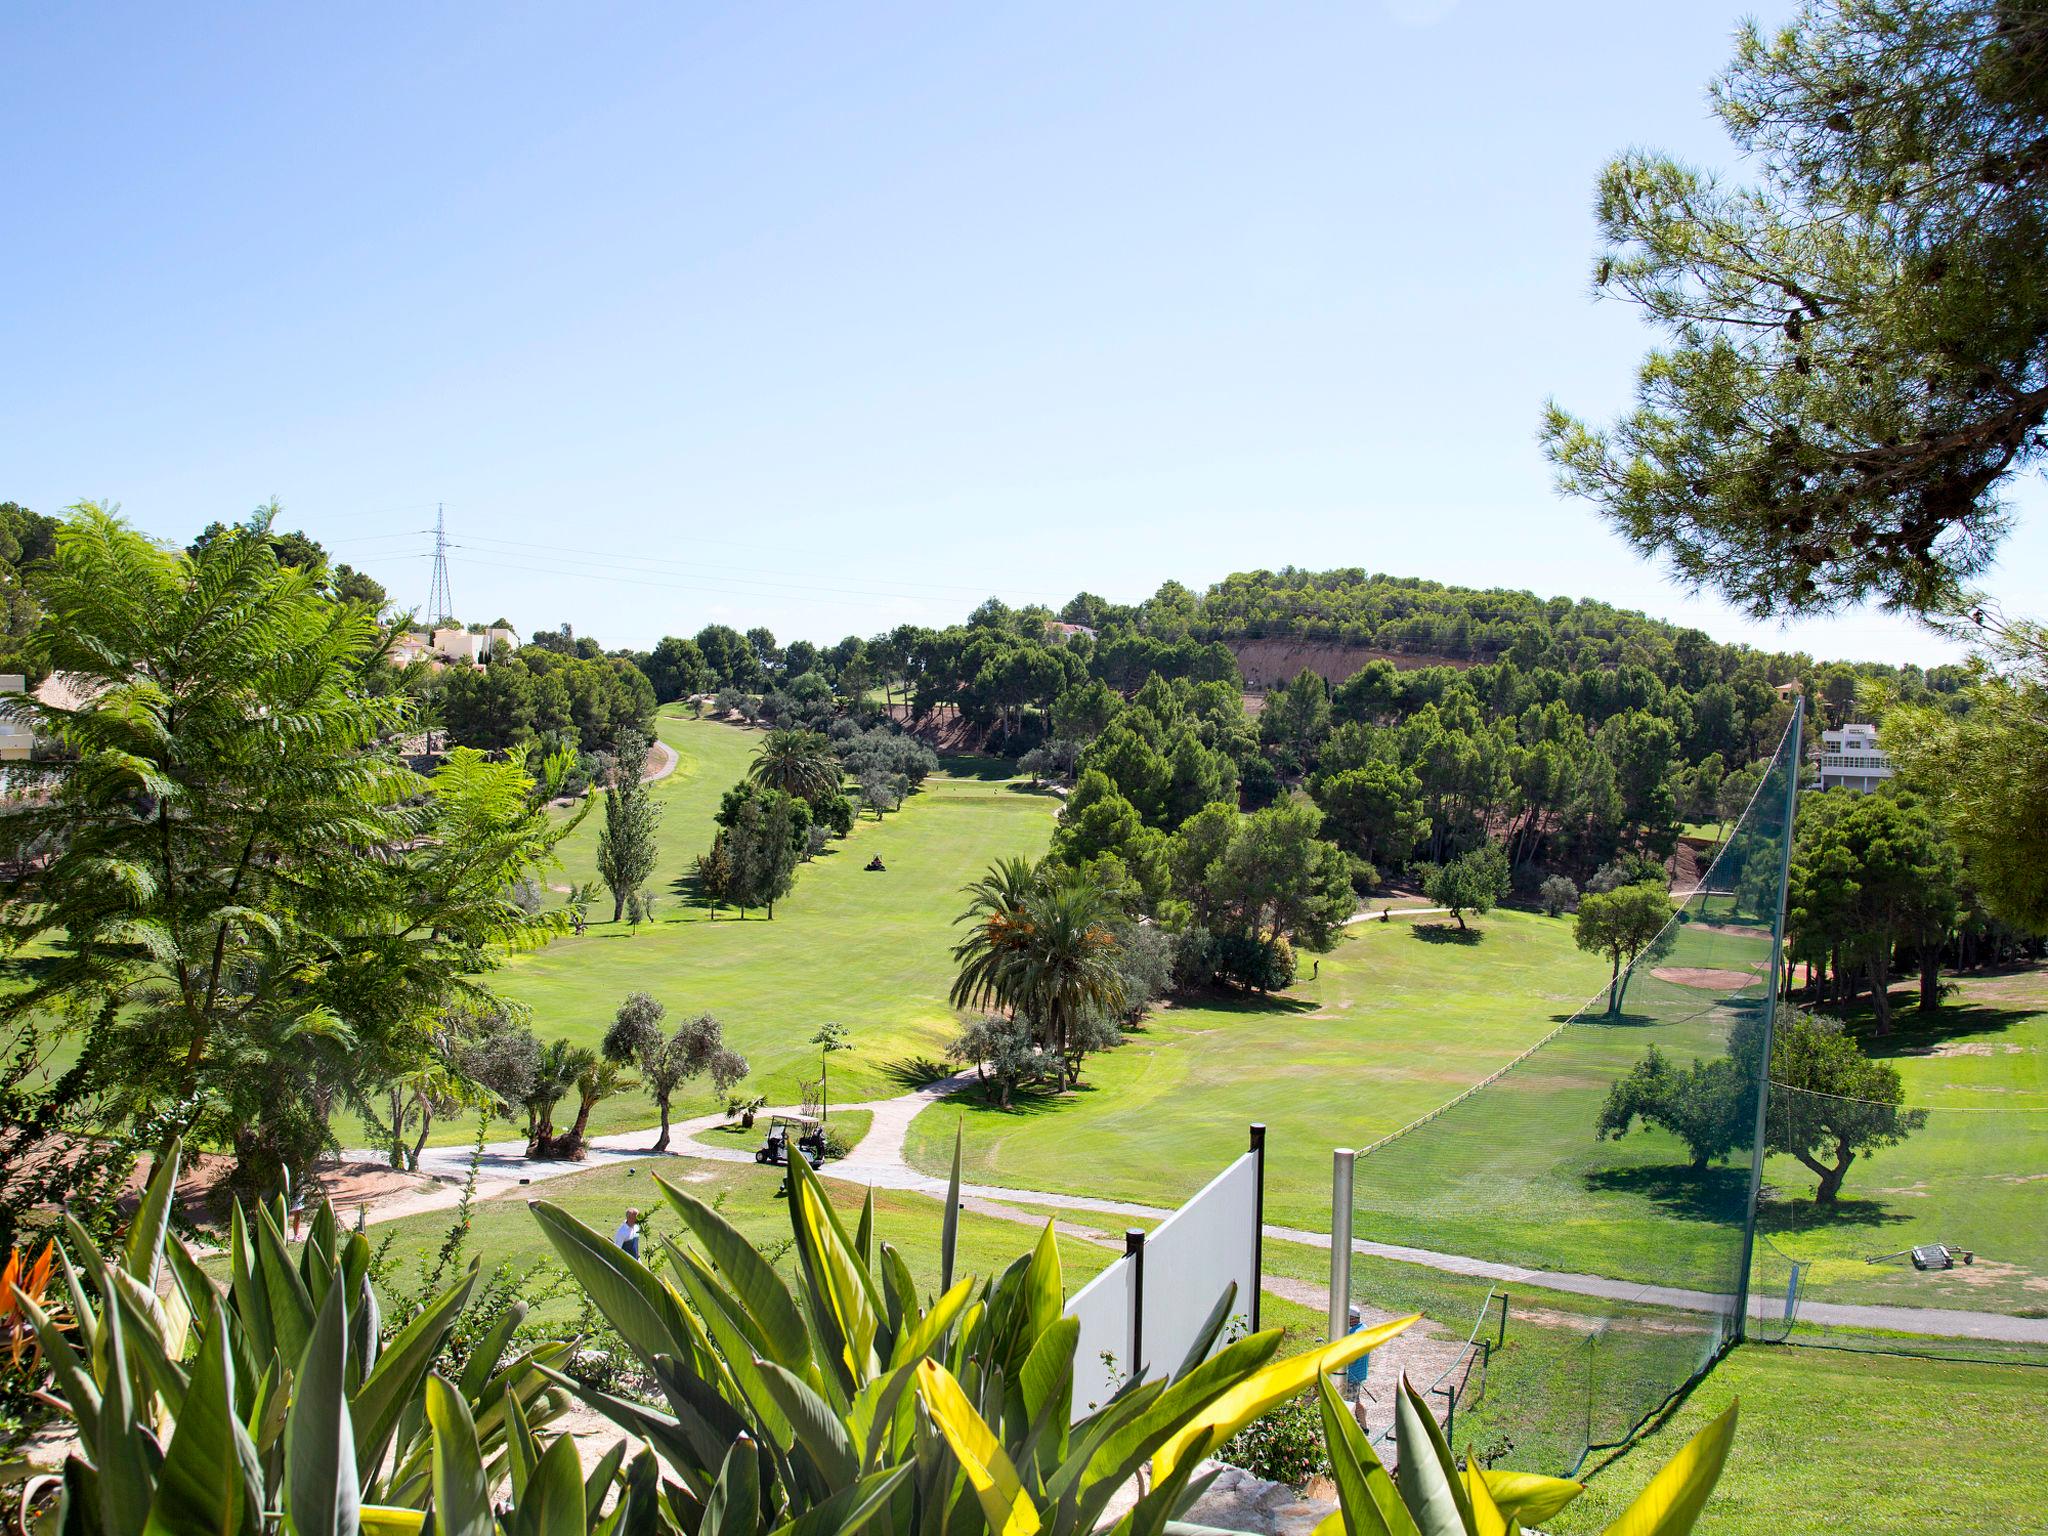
[(834, 316)]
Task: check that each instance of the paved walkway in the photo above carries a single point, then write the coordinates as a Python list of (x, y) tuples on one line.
[(879, 1161)]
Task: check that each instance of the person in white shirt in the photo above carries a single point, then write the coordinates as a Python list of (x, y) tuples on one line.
[(628, 1235)]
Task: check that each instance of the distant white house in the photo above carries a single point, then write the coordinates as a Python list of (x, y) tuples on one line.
[(17, 737), (473, 645), (1851, 759)]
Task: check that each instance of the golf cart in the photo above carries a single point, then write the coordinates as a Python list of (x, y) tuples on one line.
[(807, 1133)]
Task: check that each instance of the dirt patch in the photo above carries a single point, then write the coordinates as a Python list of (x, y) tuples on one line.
[(1704, 977)]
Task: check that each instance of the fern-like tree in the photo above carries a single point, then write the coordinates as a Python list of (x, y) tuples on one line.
[(667, 1061), (260, 904), (799, 763), (626, 846)]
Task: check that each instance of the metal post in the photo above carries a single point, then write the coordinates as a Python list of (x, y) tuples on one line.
[(1134, 1250), (1793, 764), (1341, 1162), (1258, 1150)]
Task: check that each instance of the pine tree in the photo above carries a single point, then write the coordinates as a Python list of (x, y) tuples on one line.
[(626, 847)]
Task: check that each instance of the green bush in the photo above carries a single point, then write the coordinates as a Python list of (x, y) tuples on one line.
[(1286, 1446)]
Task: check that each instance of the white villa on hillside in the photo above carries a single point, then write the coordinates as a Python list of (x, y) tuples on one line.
[(473, 645), (1851, 759)]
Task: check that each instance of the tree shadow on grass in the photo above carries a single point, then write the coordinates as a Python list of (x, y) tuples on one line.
[(990, 770), (1217, 1000), (1921, 1034), (1680, 1190), (1783, 1212), (1445, 933), (913, 1072), (1038, 1100)]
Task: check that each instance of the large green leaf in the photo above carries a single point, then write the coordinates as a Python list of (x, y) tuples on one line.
[(632, 1298), (1366, 1495), (816, 1425), (553, 1502), (291, 1304), (734, 1507), (462, 1494), (1672, 1502), (124, 1463), (144, 1250), (949, 1229), (848, 1511), (752, 1279), (211, 1481), (252, 1301), (1426, 1475), (322, 1496), (378, 1402), (72, 1376), (1528, 1498), (842, 1293)]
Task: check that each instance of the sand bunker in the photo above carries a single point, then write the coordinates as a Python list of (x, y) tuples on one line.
[(1704, 977)]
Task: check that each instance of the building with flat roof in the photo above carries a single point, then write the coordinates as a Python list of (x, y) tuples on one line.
[(1850, 758)]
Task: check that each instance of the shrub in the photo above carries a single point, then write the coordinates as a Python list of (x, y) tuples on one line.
[(1558, 895), (1286, 1446), (1256, 964)]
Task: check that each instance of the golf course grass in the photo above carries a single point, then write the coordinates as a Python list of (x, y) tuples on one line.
[(868, 950), (1400, 1017), (1831, 1442)]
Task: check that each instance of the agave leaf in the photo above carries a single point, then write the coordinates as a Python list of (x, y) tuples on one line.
[(211, 1480), (737, 1340), (1367, 1499), (390, 1520), (1528, 1498), (1044, 1289), (73, 1378), (1270, 1386), (660, 1430), (1046, 1387), (252, 1301), (1427, 1477), (322, 1496), (929, 1331), (1004, 1502), (1672, 1502), (462, 1494)]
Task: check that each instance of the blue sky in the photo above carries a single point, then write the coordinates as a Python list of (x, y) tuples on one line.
[(829, 317)]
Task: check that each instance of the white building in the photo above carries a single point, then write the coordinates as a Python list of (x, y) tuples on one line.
[(17, 737), (1851, 759), (473, 646)]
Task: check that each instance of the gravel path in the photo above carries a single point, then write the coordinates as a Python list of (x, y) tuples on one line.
[(879, 1161)]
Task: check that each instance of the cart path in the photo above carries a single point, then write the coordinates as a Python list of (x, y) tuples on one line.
[(503, 1167)]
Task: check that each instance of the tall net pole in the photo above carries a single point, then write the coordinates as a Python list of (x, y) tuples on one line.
[(1794, 762), (440, 601)]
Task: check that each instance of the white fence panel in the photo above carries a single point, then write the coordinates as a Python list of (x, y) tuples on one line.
[(1102, 1358), (1192, 1255)]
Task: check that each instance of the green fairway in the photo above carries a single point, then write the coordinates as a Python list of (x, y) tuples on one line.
[(1832, 1442), (1398, 1020), (1974, 1176), (869, 950), (710, 759)]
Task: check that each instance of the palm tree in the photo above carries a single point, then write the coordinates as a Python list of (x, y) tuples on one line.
[(798, 763), (995, 907), (560, 1066), (598, 1081), (1041, 946), (1067, 964)]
